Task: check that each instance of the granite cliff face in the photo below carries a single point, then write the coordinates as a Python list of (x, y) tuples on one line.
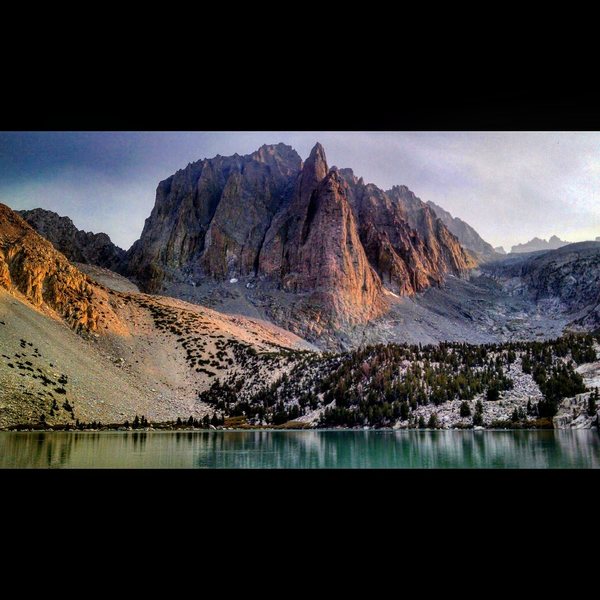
[(30, 265), (407, 245), (211, 218), (324, 256), (78, 246), (466, 235), (304, 229)]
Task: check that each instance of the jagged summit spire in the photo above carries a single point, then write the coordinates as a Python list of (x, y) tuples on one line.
[(314, 171), (317, 154)]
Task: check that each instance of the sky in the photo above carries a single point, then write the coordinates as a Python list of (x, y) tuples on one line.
[(510, 186)]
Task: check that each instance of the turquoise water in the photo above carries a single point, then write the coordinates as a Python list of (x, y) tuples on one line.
[(301, 449)]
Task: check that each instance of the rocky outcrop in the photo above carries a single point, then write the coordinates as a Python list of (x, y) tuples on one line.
[(500, 250), (467, 236), (78, 246), (297, 228), (538, 244), (30, 265), (573, 414)]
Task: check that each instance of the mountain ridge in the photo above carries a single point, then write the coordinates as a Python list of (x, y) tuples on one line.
[(466, 234), (536, 244), (77, 245)]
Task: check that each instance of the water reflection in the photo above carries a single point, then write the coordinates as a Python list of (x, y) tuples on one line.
[(302, 449)]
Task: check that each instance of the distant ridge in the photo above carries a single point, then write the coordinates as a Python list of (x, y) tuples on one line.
[(537, 244)]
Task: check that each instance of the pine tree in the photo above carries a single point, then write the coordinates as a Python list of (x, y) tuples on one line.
[(493, 393), (433, 421), (421, 422), (465, 409), (404, 411), (593, 403)]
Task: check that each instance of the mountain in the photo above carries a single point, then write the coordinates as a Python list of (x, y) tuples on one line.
[(537, 244), (598, 239), (499, 250), (71, 348), (317, 247), (78, 246), (564, 283), (466, 235)]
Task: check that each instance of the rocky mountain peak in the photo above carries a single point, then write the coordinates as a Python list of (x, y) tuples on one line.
[(277, 154), (300, 228), (314, 169), (402, 190)]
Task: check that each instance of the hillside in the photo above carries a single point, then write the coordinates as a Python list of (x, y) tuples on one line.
[(74, 349), (564, 283)]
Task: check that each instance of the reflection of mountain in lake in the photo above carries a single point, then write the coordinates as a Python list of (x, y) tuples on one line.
[(413, 449), (303, 449)]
